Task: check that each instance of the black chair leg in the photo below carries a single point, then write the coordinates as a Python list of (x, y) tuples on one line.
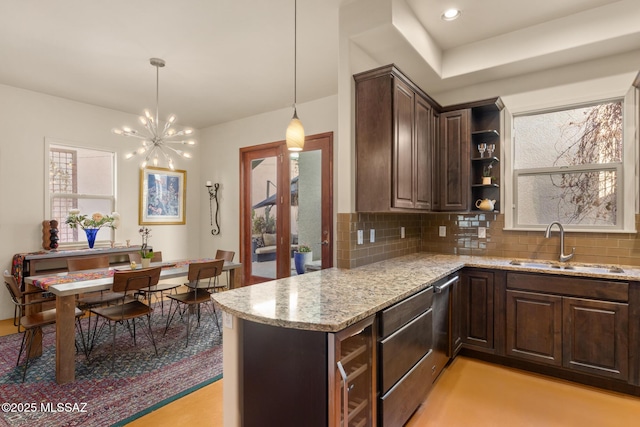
[(82, 340), (113, 345), (170, 316), (24, 341), (32, 336), (188, 325), (215, 315), (153, 341)]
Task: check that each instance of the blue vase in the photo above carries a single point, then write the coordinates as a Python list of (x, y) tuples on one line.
[(91, 235), (300, 259)]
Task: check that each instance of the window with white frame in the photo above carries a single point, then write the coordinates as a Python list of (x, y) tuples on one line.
[(80, 178), (568, 166)]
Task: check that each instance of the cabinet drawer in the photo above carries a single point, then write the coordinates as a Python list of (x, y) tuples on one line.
[(397, 315), (402, 350), (401, 401), (571, 286)]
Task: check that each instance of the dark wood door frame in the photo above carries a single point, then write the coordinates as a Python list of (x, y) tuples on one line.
[(324, 142)]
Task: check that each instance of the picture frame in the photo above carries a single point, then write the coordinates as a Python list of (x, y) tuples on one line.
[(162, 198)]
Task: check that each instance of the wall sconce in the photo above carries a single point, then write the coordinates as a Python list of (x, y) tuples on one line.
[(213, 195)]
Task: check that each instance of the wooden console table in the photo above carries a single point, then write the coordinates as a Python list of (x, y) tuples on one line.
[(55, 261)]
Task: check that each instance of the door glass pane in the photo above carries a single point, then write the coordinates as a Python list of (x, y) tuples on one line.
[(263, 217), (306, 209)]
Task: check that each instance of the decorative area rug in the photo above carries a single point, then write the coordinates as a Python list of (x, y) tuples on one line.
[(140, 380)]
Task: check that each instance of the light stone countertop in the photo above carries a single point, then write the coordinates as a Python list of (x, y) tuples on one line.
[(331, 300)]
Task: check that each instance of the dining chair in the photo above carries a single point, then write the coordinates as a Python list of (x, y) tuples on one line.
[(31, 324), (31, 292), (91, 300), (88, 263), (228, 257), (201, 283), (128, 283), (157, 291)]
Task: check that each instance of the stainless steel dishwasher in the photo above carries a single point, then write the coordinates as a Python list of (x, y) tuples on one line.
[(441, 323)]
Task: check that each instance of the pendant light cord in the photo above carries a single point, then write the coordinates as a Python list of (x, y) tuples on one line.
[(295, 53)]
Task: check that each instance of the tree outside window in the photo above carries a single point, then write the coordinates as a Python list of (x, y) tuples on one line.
[(568, 165)]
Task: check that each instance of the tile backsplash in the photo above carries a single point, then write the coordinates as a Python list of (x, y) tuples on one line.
[(422, 234), (388, 241)]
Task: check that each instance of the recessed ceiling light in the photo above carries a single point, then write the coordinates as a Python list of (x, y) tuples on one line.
[(451, 14)]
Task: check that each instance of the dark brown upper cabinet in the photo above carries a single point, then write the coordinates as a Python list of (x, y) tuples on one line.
[(453, 161), (414, 155), (394, 143)]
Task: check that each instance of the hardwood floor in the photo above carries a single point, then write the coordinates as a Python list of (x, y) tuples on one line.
[(469, 393), (201, 408), (479, 394)]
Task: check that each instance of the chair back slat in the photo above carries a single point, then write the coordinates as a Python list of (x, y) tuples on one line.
[(204, 270), (12, 286), (137, 258), (225, 255), (89, 263), (128, 281)]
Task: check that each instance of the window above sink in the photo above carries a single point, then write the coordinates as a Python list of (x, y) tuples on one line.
[(571, 158)]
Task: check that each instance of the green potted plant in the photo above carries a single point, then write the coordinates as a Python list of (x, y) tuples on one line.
[(487, 178), (302, 257), (146, 253)]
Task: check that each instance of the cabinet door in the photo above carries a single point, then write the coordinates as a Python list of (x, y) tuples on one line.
[(374, 133), (403, 147), (424, 154), (596, 337), (454, 160), (534, 327), (477, 290)]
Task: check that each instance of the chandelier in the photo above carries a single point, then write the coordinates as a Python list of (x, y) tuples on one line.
[(158, 141)]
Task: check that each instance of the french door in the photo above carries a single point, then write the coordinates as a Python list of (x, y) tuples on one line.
[(286, 202)]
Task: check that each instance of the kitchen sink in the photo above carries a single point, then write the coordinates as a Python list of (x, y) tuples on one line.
[(570, 267)]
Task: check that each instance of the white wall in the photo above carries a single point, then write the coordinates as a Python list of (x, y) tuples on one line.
[(220, 162), (26, 119)]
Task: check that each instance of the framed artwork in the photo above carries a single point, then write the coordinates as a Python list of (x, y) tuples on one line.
[(162, 196)]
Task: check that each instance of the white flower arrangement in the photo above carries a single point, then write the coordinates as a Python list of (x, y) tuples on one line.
[(96, 220)]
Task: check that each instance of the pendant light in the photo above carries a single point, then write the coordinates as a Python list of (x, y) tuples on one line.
[(156, 140), (295, 131)]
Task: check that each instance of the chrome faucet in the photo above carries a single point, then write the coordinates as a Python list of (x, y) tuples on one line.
[(547, 234)]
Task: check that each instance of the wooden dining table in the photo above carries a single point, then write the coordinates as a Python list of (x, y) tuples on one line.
[(67, 285)]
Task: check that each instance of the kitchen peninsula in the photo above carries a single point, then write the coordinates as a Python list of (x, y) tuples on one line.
[(285, 336)]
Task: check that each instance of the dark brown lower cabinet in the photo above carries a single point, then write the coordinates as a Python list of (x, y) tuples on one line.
[(477, 308), (406, 357), (534, 327), (567, 322), (284, 376), (400, 351), (297, 378), (596, 337), (398, 404)]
